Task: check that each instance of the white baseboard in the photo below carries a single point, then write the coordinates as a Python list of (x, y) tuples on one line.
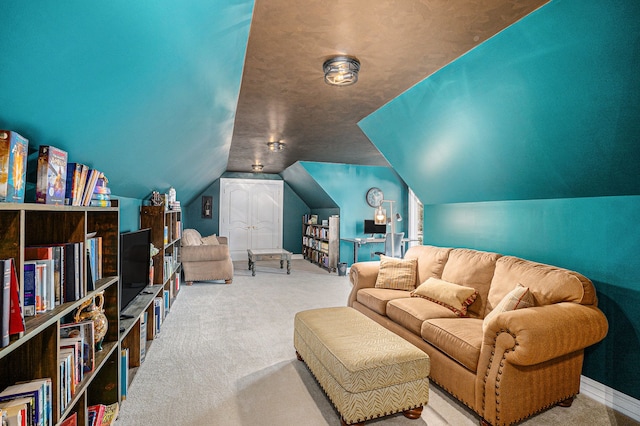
[(297, 256), (611, 398)]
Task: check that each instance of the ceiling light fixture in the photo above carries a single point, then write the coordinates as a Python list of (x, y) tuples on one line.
[(276, 146), (257, 167), (341, 71)]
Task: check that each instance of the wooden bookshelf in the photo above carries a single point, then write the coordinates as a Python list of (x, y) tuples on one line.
[(321, 243), (35, 354)]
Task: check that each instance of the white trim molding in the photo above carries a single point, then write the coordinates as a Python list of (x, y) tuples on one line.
[(611, 398)]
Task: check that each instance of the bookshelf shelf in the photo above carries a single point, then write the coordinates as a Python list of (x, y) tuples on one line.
[(35, 353), (321, 243)]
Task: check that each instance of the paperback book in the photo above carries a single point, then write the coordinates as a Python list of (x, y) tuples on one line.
[(52, 175)]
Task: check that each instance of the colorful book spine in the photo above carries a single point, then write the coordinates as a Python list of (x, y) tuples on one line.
[(52, 175), (13, 166)]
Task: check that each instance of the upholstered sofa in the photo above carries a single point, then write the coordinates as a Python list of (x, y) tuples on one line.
[(205, 259), (505, 366)]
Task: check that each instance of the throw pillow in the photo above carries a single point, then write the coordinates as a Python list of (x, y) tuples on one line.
[(191, 237), (518, 298), (450, 295), (397, 274), (211, 240)]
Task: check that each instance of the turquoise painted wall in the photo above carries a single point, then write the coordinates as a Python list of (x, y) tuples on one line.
[(129, 213), (528, 145), (293, 210), (347, 185)]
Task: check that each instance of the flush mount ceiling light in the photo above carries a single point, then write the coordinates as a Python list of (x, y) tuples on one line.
[(341, 71), (257, 167), (276, 146)]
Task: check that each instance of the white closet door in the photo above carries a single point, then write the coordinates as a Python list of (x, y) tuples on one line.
[(251, 214)]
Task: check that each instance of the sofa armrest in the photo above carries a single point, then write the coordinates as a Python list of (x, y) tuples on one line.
[(362, 275), (543, 333), (204, 253)]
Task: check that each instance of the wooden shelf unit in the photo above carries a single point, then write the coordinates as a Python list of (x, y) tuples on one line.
[(166, 231), (35, 354), (321, 243)]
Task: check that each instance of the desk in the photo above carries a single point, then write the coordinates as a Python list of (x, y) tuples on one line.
[(357, 242)]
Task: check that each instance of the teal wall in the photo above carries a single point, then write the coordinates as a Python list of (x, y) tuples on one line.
[(347, 185), (129, 213), (528, 145)]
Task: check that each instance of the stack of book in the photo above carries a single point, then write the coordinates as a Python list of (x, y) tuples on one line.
[(29, 400), (86, 187)]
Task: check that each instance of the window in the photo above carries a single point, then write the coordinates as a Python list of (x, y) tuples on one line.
[(416, 219)]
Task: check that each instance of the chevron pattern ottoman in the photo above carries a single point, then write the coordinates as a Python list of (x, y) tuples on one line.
[(366, 370)]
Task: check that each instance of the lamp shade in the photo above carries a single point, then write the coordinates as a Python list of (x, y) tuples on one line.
[(380, 217)]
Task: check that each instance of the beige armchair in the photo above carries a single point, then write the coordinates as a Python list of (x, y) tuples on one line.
[(205, 259)]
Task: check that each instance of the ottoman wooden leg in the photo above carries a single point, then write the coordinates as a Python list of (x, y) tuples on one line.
[(414, 413), (299, 357)]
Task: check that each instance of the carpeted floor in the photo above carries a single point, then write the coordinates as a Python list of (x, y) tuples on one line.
[(225, 356)]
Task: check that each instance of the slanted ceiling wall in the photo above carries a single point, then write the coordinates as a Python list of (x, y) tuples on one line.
[(528, 145)]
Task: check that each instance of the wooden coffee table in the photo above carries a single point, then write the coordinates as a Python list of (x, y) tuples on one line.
[(261, 254)]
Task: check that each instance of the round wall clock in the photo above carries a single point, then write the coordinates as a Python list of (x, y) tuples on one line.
[(374, 197)]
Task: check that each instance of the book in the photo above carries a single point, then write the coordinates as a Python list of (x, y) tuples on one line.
[(92, 179), (76, 345), (30, 288), (51, 175), (72, 420), (110, 414), (143, 336), (85, 331), (40, 391), (5, 302), (52, 256), (99, 203), (16, 316), (18, 411), (124, 373), (158, 306), (72, 186), (96, 413), (13, 166), (83, 183)]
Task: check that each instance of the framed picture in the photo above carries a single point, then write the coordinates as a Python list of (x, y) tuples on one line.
[(207, 207)]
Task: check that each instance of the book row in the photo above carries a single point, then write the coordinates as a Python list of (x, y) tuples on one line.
[(57, 180), (317, 232), (30, 404)]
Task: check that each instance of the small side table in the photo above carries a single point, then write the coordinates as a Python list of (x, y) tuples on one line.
[(260, 254)]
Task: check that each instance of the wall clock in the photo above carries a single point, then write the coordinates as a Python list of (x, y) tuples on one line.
[(374, 197)]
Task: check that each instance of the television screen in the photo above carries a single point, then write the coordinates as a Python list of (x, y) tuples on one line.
[(370, 227), (135, 258)]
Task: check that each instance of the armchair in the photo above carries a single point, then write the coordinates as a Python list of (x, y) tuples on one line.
[(205, 259)]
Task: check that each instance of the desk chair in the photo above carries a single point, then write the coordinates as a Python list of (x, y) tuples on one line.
[(392, 244)]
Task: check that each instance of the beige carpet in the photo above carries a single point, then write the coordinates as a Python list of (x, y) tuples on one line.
[(225, 357)]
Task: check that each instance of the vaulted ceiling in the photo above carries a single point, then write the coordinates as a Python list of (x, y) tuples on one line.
[(283, 96), (173, 93)]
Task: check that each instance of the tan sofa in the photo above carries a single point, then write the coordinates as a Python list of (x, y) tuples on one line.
[(524, 360), (205, 259)]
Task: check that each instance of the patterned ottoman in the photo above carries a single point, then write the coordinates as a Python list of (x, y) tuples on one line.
[(366, 370)]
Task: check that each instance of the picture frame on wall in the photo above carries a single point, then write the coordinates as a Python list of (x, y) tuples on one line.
[(207, 207)]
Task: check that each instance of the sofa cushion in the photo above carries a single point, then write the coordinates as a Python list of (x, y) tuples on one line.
[(191, 237), (431, 261), (452, 296), (459, 338), (376, 298), (412, 312), (518, 298), (211, 240), (472, 268), (548, 284), (398, 274)]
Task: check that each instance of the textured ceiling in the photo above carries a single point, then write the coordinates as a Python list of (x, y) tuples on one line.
[(398, 43)]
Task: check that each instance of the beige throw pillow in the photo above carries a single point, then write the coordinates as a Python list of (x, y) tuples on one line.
[(452, 296), (518, 298), (211, 240), (397, 274)]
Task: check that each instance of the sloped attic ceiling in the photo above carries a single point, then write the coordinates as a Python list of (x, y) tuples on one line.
[(149, 91)]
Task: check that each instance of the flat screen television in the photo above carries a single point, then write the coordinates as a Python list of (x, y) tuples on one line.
[(135, 247), (370, 227)]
